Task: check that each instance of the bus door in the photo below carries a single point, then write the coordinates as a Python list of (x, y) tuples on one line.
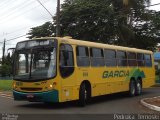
[(66, 68)]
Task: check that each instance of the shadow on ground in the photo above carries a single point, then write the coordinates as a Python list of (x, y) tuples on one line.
[(74, 104)]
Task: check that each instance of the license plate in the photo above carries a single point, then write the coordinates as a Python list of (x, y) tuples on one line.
[(30, 96)]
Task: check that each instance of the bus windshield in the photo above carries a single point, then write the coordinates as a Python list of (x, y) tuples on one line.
[(35, 63)]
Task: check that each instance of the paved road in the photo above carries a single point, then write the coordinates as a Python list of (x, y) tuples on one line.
[(109, 104), (116, 103)]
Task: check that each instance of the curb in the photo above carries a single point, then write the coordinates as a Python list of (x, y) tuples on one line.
[(5, 94), (150, 106)]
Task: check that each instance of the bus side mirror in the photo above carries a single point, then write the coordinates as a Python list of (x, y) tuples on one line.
[(11, 55), (11, 51)]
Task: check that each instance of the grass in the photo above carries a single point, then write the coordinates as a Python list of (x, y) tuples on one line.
[(5, 84), (157, 77)]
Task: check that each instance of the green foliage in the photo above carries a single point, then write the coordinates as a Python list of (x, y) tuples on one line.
[(6, 68), (91, 20), (44, 30), (119, 22)]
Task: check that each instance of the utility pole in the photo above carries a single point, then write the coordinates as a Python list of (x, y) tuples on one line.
[(58, 19), (4, 47)]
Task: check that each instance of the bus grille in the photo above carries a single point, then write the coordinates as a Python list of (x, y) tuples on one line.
[(31, 89)]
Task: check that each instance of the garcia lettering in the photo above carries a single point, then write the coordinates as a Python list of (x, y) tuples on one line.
[(121, 73)]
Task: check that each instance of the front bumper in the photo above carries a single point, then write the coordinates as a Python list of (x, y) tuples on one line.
[(49, 96)]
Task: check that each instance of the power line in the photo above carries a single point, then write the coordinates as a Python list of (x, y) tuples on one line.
[(51, 15), (5, 3), (15, 17), (20, 29), (45, 8), (16, 9), (15, 38), (10, 11)]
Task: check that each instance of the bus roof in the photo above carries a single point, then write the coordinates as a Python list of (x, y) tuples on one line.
[(94, 44)]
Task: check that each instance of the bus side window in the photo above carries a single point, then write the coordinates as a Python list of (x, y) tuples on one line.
[(140, 59), (82, 56), (122, 58), (110, 57), (132, 61), (97, 57), (66, 63), (148, 60)]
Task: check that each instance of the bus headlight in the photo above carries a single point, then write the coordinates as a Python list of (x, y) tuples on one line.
[(14, 86), (52, 86)]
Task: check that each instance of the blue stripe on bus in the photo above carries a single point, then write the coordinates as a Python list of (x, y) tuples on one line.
[(49, 96)]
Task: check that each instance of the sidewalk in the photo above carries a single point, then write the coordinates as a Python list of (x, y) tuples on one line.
[(7, 93), (152, 103)]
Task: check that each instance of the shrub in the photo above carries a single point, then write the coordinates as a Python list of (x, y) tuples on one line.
[(5, 70)]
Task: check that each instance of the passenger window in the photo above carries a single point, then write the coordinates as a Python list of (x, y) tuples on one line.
[(97, 57), (66, 60), (140, 59), (132, 61), (148, 60), (121, 58), (110, 58), (82, 56)]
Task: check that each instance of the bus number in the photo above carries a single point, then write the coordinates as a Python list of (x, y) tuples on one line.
[(85, 74)]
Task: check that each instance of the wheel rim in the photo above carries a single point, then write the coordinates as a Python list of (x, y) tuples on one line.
[(85, 94), (133, 90), (138, 88)]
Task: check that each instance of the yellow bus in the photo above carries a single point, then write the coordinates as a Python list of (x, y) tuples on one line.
[(55, 69)]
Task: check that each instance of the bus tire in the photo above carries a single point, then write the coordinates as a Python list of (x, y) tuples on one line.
[(138, 87), (82, 95), (132, 88)]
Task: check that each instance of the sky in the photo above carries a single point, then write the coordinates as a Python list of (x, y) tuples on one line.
[(18, 16)]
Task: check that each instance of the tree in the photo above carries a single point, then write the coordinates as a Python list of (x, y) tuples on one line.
[(129, 12), (147, 30), (6, 68), (91, 20), (47, 29), (119, 22)]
